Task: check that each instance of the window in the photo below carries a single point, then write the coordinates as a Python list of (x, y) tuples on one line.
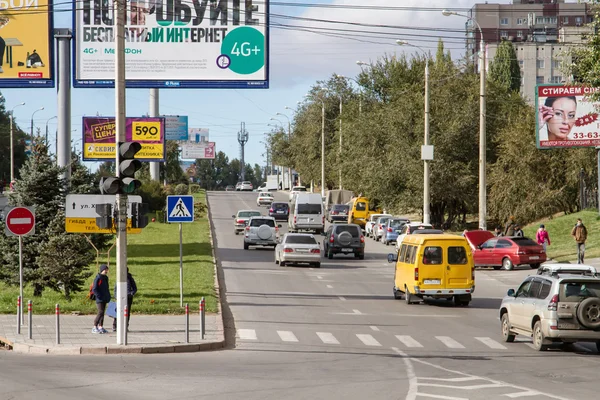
[(402, 252), (523, 241), (539, 20), (520, 34), (361, 206), (574, 292), (248, 214), (353, 230), (540, 64), (523, 291), (300, 239), (539, 79), (408, 255), (457, 255), (545, 291), (503, 244), (565, 20), (309, 209), (503, 34), (556, 79), (521, 63), (432, 255), (552, 20), (578, 21), (503, 21), (413, 255), (490, 244), (256, 222), (521, 21), (534, 289), (556, 64)]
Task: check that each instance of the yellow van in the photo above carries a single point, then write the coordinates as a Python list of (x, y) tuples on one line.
[(439, 266), (360, 210)]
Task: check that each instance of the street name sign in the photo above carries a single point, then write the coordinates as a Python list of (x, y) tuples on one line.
[(80, 212)]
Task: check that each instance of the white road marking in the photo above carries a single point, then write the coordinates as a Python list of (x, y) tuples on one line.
[(376, 329), (356, 312), (523, 394), (410, 374), (327, 338), (312, 269), (368, 340), (465, 379), (449, 342), (492, 344), (247, 334), (342, 298), (439, 396), (287, 336), (408, 341), (319, 277), (329, 287)]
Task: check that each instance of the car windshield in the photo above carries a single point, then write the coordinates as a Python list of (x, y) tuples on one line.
[(382, 221), (246, 183), (259, 221), (265, 195), (523, 241), (300, 239), (299, 189), (248, 214), (353, 230), (361, 206), (576, 291), (340, 207), (309, 209), (279, 206)]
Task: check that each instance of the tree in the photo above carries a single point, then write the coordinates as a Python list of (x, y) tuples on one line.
[(19, 138), (504, 69), (174, 172)]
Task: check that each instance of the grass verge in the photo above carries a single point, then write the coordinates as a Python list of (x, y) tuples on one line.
[(153, 259)]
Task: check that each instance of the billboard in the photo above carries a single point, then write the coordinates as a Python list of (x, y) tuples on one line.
[(566, 117), (26, 44), (198, 150), (176, 127), (99, 138), (174, 44), (197, 135)]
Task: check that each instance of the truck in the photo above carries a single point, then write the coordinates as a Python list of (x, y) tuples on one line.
[(269, 185), (360, 209), (337, 196)]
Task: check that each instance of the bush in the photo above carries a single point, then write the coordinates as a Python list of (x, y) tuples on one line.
[(200, 210), (181, 189), (160, 216), (195, 188), (153, 193)]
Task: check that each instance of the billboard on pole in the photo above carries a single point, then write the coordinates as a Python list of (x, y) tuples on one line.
[(198, 135), (26, 44), (176, 127), (174, 44), (198, 150), (566, 117), (99, 138)]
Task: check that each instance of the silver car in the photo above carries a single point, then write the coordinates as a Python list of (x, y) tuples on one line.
[(297, 248), (241, 219), (261, 231), (559, 305), (379, 226)]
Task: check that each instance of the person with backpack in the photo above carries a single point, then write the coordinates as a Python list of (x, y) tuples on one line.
[(131, 291), (101, 294)]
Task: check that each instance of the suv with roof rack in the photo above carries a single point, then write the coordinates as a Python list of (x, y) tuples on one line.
[(559, 305)]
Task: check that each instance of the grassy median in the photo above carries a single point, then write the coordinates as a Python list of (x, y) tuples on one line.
[(153, 259)]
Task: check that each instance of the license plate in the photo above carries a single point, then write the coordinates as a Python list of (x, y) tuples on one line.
[(567, 326), (347, 250), (534, 257), (280, 212), (431, 281), (302, 250)]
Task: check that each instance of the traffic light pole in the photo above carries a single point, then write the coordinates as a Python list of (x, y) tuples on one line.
[(153, 112), (121, 200)]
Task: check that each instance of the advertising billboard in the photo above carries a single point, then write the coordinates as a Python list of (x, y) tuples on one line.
[(176, 127), (566, 117), (99, 138), (197, 135), (198, 150), (174, 44), (26, 44)]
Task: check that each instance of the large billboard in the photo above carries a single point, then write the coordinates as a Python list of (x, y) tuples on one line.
[(174, 44), (176, 127), (99, 138), (202, 150), (26, 44), (566, 117)]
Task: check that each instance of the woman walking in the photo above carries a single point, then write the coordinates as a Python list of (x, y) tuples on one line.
[(542, 237)]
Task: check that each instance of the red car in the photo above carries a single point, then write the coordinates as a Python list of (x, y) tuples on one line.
[(504, 252)]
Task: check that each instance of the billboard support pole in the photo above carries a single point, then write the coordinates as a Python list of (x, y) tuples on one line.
[(153, 112), (598, 187), (63, 110)]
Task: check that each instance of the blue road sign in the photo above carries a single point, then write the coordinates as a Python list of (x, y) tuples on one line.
[(180, 208)]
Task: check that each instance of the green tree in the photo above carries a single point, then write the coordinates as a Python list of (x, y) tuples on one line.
[(19, 138), (174, 172), (504, 69)]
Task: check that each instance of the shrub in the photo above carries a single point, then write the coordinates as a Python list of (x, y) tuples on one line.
[(194, 188), (181, 189), (153, 193)]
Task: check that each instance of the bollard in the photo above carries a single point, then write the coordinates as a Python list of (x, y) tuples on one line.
[(57, 312), (18, 315), (187, 323), (30, 315), (125, 315), (202, 318)]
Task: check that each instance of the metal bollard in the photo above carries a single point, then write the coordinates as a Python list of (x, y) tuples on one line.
[(187, 323), (30, 315), (125, 315), (202, 317), (57, 312), (18, 315)]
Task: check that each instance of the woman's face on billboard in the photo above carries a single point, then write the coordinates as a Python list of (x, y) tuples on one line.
[(563, 119)]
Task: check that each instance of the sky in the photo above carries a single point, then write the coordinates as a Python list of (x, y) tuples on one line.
[(298, 58)]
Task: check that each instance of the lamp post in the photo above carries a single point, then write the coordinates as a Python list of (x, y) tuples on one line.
[(322, 146), (482, 124), (426, 183), (31, 132), (49, 119), (289, 138), (12, 150), (360, 93)]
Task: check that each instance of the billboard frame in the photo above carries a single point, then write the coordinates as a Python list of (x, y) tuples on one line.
[(173, 83)]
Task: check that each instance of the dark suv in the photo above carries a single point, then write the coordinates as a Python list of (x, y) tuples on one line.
[(345, 239), (279, 210)]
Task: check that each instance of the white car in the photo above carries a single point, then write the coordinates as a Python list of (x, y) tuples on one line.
[(295, 190), (264, 199), (371, 222), (241, 219), (408, 229), (379, 226), (297, 248), (246, 186), (261, 231)]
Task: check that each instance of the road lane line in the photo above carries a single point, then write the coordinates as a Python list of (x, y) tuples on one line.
[(368, 340), (329, 287), (449, 342), (327, 338), (439, 396), (492, 344), (319, 277), (342, 298), (523, 394), (287, 336), (408, 341), (247, 334), (376, 329), (356, 312), (413, 387)]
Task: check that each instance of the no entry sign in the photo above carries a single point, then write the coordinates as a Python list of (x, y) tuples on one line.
[(20, 221)]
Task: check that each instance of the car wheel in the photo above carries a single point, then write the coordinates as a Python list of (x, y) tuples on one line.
[(318, 265), (397, 294), (507, 336), (386, 242), (361, 256), (246, 246), (276, 259), (507, 264), (588, 313), (538, 337), (407, 296), (236, 232), (282, 263), (330, 254), (534, 266)]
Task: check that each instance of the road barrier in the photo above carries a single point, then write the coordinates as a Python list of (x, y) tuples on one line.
[(18, 315), (30, 318), (187, 323), (202, 318), (57, 312)]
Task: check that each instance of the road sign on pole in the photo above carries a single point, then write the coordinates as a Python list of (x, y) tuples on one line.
[(180, 209), (80, 212)]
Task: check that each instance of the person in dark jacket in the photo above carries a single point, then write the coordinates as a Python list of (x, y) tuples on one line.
[(131, 291), (102, 293)]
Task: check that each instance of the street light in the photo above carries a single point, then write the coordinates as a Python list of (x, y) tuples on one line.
[(31, 132), (360, 93), (426, 183), (322, 145), (49, 119), (289, 138), (362, 63), (482, 122), (12, 152)]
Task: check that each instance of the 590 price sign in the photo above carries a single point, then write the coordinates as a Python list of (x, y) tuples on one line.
[(145, 131)]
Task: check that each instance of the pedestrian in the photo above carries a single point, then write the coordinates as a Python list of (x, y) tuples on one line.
[(518, 231), (498, 231), (509, 228), (102, 293), (131, 291), (542, 237), (579, 233)]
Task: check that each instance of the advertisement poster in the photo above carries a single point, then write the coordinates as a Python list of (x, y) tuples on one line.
[(26, 44), (99, 138), (176, 127), (566, 117), (193, 151), (198, 135), (174, 44)]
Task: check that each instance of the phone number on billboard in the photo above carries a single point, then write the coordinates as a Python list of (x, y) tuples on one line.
[(583, 135)]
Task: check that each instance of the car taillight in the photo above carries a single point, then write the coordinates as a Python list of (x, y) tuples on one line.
[(553, 305), (270, 210), (331, 239), (316, 251), (287, 250), (362, 239), (390, 230), (416, 274), (241, 221), (323, 219), (295, 219), (247, 228)]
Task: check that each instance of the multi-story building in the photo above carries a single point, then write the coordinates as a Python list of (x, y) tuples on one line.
[(542, 32)]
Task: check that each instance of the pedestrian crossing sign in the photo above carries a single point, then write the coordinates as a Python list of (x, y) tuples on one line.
[(180, 209)]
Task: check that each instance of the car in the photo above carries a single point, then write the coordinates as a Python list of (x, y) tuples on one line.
[(296, 248), (264, 199), (409, 229), (371, 222), (554, 307), (241, 219), (261, 231), (295, 190), (573, 269), (392, 229), (378, 226), (230, 188), (238, 186), (246, 186), (279, 210), (344, 239), (337, 212), (306, 213), (504, 252)]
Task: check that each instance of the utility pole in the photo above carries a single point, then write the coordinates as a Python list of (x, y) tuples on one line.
[(340, 152), (153, 112), (63, 88), (242, 140)]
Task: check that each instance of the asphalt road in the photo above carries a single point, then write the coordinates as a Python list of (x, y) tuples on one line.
[(329, 333)]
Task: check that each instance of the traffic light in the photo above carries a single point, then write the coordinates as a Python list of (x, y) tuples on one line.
[(105, 219), (138, 215), (126, 183)]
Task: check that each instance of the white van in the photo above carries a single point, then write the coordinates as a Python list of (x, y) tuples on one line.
[(307, 213)]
